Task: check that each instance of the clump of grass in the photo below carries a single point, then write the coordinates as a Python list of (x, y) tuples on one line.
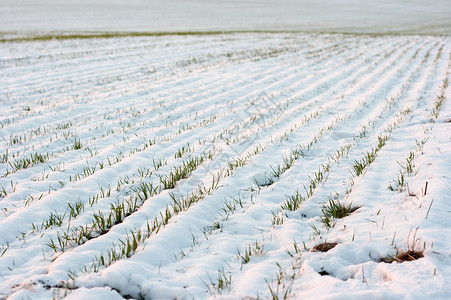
[(231, 206), (293, 202), (253, 249), (158, 163), (210, 229), (145, 190), (182, 151), (296, 248), (277, 217), (400, 183), (27, 162), (75, 208), (181, 172), (409, 167), (360, 165), (143, 172), (4, 157), (3, 249), (334, 209), (223, 282), (440, 99), (3, 192), (236, 163), (87, 171), (410, 254), (281, 290), (77, 145), (54, 219)]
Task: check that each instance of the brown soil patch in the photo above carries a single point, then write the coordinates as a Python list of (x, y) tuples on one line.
[(323, 247)]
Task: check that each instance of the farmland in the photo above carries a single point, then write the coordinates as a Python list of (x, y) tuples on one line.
[(216, 165)]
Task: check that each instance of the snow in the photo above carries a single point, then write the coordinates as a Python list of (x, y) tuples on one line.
[(19, 18), (254, 119)]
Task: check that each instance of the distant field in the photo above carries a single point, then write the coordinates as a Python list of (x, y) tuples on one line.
[(28, 18), (202, 165)]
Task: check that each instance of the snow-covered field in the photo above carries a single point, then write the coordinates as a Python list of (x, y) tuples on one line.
[(211, 165), (31, 18)]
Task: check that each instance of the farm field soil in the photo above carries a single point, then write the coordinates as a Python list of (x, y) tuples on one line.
[(225, 166)]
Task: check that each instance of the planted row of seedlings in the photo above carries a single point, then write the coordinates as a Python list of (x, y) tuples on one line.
[(292, 202), (179, 205), (183, 149), (89, 201), (100, 164), (122, 68), (179, 208), (332, 209), (232, 166), (84, 172), (165, 183), (257, 249), (248, 252), (77, 142), (89, 171), (407, 167), (56, 219), (102, 222)]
